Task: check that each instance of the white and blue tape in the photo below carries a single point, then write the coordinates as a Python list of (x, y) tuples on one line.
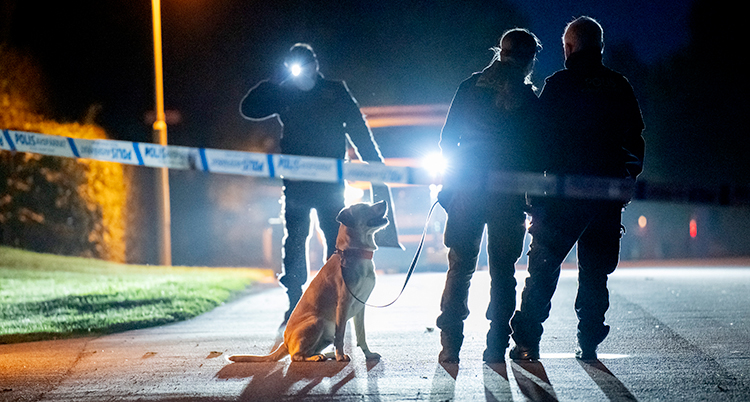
[(297, 167), (205, 159)]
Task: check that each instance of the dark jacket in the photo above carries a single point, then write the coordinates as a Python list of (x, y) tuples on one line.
[(315, 122), (594, 122), (491, 127)]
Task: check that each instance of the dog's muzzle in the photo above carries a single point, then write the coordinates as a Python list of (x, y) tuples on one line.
[(380, 220), (377, 222)]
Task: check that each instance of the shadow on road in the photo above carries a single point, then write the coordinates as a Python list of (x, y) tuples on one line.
[(533, 381), (444, 381), (613, 388), (295, 380), (496, 385)]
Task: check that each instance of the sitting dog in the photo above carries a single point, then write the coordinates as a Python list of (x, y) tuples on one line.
[(328, 303)]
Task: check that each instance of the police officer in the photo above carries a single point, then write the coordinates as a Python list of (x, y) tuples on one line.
[(319, 116)]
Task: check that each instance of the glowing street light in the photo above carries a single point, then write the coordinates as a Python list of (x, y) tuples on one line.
[(160, 136)]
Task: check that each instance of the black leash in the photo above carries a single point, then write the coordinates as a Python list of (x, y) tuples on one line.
[(411, 267)]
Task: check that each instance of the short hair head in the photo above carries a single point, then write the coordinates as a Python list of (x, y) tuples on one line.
[(583, 33), (301, 53)]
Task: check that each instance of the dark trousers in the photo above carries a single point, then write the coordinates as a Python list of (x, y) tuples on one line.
[(556, 226), (299, 198), (468, 213)]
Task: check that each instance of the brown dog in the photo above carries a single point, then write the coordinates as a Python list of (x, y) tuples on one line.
[(321, 314)]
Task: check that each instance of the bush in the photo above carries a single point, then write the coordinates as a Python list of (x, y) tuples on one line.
[(50, 204)]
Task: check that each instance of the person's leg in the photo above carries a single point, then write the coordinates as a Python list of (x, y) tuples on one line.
[(328, 206), (598, 255), (554, 230), (463, 236), (505, 232), (296, 213)]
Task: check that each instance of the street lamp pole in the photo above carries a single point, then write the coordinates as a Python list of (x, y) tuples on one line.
[(160, 136)]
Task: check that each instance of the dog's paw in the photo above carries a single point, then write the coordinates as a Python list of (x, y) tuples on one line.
[(342, 358), (299, 357), (372, 356)]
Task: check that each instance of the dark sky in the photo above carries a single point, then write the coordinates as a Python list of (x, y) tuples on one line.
[(655, 28), (389, 51)]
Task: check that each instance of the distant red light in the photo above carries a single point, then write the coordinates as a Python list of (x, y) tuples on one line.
[(693, 228)]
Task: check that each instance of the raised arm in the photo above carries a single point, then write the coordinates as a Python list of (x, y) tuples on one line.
[(261, 101)]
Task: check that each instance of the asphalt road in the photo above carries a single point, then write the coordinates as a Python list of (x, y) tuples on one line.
[(678, 334)]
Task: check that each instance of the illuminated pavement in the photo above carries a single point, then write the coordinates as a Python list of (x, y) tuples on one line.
[(677, 334)]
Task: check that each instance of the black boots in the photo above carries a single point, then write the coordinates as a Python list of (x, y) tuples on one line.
[(523, 352), (586, 349), (498, 338), (451, 340)]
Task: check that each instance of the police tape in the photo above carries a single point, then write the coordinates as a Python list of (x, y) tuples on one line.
[(210, 160), (310, 168)]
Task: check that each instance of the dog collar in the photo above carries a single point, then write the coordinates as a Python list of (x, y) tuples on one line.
[(355, 253)]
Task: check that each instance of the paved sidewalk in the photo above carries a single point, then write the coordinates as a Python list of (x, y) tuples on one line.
[(678, 334)]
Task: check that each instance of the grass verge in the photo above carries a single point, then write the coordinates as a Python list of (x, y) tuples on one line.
[(44, 296)]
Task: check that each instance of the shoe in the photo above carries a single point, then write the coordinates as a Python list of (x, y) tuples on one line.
[(586, 349), (520, 352), (586, 353), (498, 339)]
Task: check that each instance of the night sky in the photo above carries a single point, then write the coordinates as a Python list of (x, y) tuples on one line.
[(389, 52), (655, 29)]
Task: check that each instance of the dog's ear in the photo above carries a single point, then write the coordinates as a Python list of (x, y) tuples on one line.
[(345, 217), (381, 207)]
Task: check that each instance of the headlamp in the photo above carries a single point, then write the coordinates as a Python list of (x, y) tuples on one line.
[(295, 69), (299, 67)]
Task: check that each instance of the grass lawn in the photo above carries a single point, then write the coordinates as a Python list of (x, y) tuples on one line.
[(44, 296)]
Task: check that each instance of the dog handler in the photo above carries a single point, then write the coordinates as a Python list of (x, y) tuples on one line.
[(489, 127), (318, 117)]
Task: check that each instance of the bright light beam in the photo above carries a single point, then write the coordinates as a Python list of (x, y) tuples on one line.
[(435, 164), (296, 69)]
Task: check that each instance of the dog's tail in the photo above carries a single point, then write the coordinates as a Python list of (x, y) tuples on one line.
[(276, 355)]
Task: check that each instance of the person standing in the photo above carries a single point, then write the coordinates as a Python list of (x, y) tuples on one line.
[(319, 116), (595, 128), (489, 127)]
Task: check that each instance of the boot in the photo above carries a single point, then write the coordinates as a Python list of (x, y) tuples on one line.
[(524, 352), (451, 342), (587, 345), (497, 342)]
